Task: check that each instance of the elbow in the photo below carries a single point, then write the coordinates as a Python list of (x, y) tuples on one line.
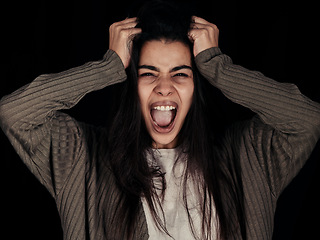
[(4, 113)]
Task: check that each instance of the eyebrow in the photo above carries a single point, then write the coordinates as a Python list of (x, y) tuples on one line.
[(153, 68)]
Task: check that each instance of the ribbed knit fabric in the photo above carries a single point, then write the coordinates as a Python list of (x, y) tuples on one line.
[(63, 154)]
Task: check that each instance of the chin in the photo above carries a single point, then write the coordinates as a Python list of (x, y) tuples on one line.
[(161, 142)]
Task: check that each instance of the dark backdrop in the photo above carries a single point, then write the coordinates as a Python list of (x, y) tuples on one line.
[(274, 37)]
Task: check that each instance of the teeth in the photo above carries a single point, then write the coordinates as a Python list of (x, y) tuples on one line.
[(164, 108)]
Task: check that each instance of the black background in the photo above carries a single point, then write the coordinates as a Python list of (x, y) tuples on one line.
[(274, 37)]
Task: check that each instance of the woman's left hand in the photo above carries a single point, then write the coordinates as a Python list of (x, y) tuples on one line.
[(203, 34)]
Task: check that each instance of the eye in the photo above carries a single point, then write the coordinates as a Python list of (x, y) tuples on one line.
[(147, 74), (181, 75)]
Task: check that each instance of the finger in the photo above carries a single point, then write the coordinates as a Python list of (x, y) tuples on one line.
[(128, 25), (193, 34), (202, 22), (191, 37), (198, 25), (196, 33), (129, 33), (135, 31), (122, 28), (196, 19), (213, 29), (124, 22), (128, 20)]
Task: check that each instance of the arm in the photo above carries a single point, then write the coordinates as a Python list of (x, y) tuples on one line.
[(288, 123), (48, 141), (279, 104)]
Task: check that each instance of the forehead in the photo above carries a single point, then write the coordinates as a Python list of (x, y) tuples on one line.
[(165, 55)]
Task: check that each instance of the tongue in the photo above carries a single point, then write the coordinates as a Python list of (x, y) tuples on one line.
[(162, 118)]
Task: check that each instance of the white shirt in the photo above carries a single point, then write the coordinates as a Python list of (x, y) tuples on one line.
[(175, 213)]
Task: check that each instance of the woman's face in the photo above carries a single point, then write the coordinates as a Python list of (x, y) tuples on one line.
[(165, 88)]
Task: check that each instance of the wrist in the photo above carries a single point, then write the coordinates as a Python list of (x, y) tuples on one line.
[(111, 54), (208, 54)]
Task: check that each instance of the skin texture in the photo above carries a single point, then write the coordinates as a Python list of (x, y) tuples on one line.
[(120, 35), (160, 82), (165, 79), (202, 33)]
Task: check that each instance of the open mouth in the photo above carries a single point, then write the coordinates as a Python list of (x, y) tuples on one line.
[(163, 116)]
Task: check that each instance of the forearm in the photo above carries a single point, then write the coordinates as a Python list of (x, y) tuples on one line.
[(280, 105), (44, 138), (290, 125), (26, 116), (30, 105)]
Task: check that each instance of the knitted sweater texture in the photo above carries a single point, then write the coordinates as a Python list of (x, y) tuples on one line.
[(63, 153)]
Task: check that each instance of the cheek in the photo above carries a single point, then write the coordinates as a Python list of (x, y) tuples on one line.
[(190, 93), (187, 95), (144, 94)]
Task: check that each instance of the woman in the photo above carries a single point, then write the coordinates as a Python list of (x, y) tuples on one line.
[(164, 169)]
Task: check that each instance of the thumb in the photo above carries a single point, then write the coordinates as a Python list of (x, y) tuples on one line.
[(192, 34)]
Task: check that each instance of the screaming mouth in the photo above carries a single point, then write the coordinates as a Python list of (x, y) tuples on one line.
[(163, 116)]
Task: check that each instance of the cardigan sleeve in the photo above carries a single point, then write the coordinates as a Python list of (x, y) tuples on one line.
[(48, 141), (287, 125)]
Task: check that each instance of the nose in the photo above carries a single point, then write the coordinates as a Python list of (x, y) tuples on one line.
[(164, 87)]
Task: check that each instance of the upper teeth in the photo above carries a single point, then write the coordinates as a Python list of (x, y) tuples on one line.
[(164, 108)]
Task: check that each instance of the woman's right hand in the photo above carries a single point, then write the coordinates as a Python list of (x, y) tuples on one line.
[(120, 38)]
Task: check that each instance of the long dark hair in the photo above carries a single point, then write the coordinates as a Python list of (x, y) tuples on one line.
[(212, 161)]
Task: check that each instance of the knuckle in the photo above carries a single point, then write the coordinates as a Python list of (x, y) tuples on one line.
[(112, 27), (212, 27), (205, 31), (124, 33)]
